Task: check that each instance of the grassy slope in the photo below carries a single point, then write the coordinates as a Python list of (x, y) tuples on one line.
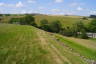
[(6, 19), (21, 45), (65, 20), (29, 45), (93, 39), (88, 52), (89, 43)]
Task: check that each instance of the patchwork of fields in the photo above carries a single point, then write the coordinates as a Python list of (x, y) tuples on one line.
[(65, 20), (29, 45)]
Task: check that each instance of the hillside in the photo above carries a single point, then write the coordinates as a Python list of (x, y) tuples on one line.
[(29, 45), (65, 20)]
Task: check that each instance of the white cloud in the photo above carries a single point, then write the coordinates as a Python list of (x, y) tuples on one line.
[(6, 5), (59, 1), (15, 11), (2, 4), (74, 4), (41, 8), (31, 1), (1, 11), (69, 13), (19, 4), (79, 8), (55, 10), (23, 11), (93, 12)]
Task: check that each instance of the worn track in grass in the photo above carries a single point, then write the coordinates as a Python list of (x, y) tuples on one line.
[(29, 45)]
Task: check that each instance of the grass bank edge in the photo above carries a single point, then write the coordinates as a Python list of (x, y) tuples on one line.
[(87, 52)]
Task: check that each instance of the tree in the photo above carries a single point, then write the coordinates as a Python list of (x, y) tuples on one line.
[(67, 31), (85, 18), (14, 21), (83, 34), (7, 14), (92, 16), (55, 26), (92, 26), (77, 28), (1, 15), (22, 21), (29, 20), (44, 25), (80, 25)]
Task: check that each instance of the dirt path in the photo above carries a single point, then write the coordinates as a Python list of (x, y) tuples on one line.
[(72, 51), (57, 56)]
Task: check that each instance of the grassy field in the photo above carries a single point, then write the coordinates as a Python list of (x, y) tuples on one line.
[(29, 45), (22, 45), (6, 19), (85, 48), (65, 20)]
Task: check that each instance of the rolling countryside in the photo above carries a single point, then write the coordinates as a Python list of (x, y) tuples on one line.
[(30, 45)]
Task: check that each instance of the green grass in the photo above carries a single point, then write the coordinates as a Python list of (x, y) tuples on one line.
[(65, 20), (94, 39), (89, 53), (21, 44), (66, 53)]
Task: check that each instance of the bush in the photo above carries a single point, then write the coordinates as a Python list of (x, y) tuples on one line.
[(83, 34), (85, 18), (92, 26), (44, 25), (92, 16), (67, 32), (27, 20), (55, 26), (15, 21)]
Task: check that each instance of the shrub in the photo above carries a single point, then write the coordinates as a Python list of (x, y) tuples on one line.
[(44, 25), (83, 34), (55, 26)]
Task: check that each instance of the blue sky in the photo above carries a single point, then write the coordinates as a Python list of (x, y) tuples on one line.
[(61, 7)]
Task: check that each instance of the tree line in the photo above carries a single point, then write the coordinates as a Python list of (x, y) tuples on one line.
[(78, 29)]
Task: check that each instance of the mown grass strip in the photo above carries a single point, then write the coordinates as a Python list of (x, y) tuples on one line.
[(21, 45), (91, 54), (65, 53)]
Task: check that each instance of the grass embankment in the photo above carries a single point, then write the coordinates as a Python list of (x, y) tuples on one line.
[(87, 52), (94, 39), (29, 45), (22, 45), (70, 57)]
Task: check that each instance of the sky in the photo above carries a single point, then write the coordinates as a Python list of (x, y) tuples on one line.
[(55, 7)]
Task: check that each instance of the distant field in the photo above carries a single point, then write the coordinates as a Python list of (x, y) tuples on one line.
[(65, 20), (6, 19), (29, 45)]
